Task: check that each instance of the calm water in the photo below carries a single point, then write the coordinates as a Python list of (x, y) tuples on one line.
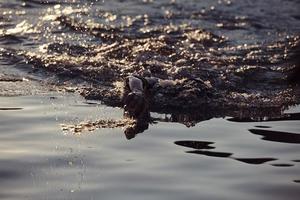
[(216, 159), (240, 46)]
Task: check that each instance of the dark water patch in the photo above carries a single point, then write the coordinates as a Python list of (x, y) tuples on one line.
[(296, 17), (11, 39), (255, 161), (252, 161), (282, 165), (293, 76), (199, 145), (211, 153), (263, 126), (9, 175), (277, 136), (195, 144), (283, 117), (296, 160), (296, 181), (9, 56), (8, 109)]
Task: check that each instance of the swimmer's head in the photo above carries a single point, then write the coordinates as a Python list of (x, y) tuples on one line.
[(134, 104)]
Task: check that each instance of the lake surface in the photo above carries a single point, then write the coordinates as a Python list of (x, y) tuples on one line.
[(244, 48), (216, 159)]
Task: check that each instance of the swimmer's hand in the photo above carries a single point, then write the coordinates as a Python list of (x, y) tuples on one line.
[(134, 104)]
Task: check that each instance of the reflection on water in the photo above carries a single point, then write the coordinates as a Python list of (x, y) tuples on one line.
[(48, 164), (285, 117)]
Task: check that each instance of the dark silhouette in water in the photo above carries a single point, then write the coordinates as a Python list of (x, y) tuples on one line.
[(195, 144), (204, 148), (294, 75), (136, 105), (277, 136)]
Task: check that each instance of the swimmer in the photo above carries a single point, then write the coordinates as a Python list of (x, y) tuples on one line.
[(136, 104), (134, 98)]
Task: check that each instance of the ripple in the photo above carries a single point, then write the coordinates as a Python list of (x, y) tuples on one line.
[(211, 153), (282, 165), (195, 144), (263, 126), (9, 174), (8, 109), (255, 161)]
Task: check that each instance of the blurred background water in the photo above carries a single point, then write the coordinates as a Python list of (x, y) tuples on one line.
[(218, 158)]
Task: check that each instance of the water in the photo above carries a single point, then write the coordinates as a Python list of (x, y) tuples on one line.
[(240, 142), (216, 159), (240, 51)]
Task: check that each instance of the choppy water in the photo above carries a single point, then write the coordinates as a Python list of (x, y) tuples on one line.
[(245, 49), (242, 50)]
